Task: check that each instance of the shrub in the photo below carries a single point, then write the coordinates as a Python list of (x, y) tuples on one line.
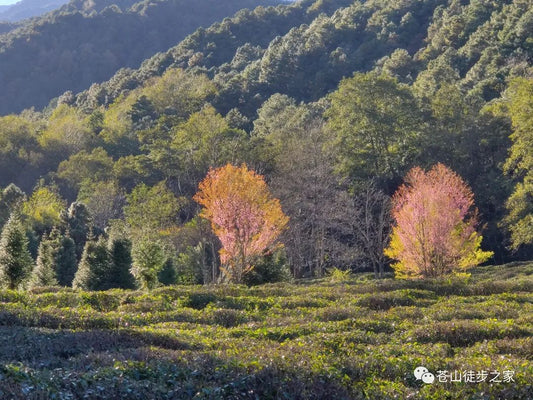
[(168, 274), (101, 301), (406, 297), (465, 333), (269, 268), (58, 300), (228, 318), (339, 275), (199, 301)]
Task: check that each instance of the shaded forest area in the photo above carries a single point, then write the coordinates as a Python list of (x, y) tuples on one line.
[(88, 41), (332, 101), (23, 9)]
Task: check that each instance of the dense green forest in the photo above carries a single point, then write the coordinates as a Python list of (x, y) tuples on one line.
[(332, 101), (87, 41)]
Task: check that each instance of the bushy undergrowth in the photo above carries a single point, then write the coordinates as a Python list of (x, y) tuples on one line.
[(353, 339)]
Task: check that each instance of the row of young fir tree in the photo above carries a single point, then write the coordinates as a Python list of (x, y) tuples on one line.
[(105, 263)]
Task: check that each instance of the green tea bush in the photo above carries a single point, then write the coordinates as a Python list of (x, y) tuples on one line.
[(57, 318), (344, 342), (227, 318), (49, 289), (489, 348), (373, 325), (61, 299), (174, 292), (302, 302), (496, 287), (200, 300), (280, 289), (14, 296), (406, 313), (101, 301), (148, 302), (159, 338), (352, 340), (467, 332), (249, 303), (407, 297), (340, 313)]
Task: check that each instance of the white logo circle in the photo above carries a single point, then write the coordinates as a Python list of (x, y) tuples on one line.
[(419, 371), (428, 377)]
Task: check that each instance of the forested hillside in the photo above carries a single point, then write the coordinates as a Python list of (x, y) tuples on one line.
[(28, 8), (332, 101), (6, 27), (476, 45), (86, 42)]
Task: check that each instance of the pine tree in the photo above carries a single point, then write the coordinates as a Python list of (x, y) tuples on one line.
[(66, 262), (93, 265), (119, 275), (44, 273), (10, 199), (168, 275), (77, 219), (15, 259)]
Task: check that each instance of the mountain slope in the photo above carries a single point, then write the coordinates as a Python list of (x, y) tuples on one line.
[(71, 50), (29, 8), (6, 27), (301, 53), (440, 49), (263, 87)]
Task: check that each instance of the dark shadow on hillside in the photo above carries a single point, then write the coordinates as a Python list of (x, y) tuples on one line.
[(40, 364), (48, 348)]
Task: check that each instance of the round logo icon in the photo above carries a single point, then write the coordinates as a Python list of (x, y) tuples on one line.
[(419, 371), (428, 377)]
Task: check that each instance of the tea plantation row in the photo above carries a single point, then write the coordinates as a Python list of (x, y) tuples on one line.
[(355, 339)]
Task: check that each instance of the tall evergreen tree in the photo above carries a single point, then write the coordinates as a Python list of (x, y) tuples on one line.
[(168, 275), (66, 261), (10, 199), (119, 275), (93, 265), (15, 259), (44, 273), (78, 220)]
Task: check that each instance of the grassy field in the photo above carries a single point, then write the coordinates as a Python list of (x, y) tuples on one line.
[(355, 339)]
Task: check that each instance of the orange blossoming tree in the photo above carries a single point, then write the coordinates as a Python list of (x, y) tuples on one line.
[(243, 214)]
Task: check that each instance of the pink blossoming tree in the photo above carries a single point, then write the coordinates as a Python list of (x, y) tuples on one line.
[(435, 231)]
